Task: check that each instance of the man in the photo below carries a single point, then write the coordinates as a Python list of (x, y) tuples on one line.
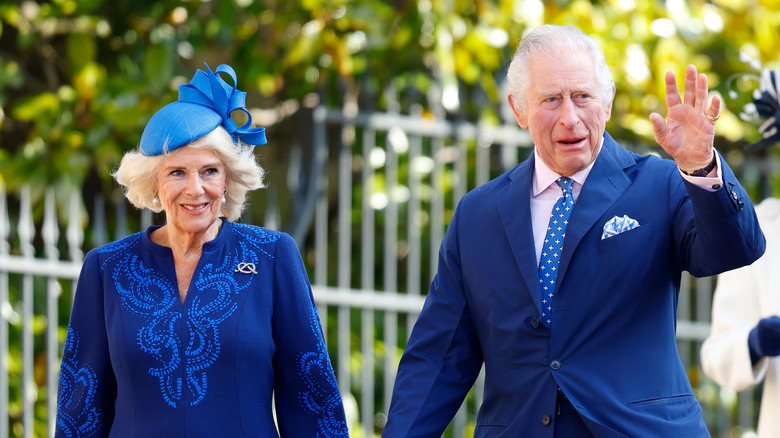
[(576, 330)]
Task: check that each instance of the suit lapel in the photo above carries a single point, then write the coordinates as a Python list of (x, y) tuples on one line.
[(605, 184), (514, 207)]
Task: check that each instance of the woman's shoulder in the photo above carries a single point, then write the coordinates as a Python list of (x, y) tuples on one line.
[(100, 255), (273, 244), (121, 244), (258, 234)]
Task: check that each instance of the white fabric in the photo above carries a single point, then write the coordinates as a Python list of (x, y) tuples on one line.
[(742, 298)]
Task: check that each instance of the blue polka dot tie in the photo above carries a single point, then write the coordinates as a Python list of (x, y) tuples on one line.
[(553, 245)]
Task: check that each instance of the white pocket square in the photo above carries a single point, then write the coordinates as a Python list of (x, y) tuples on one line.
[(617, 225)]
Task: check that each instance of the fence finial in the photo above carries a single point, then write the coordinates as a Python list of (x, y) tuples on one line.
[(50, 230), (26, 228), (75, 233)]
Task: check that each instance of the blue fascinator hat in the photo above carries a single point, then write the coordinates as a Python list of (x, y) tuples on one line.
[(764, 110), (766, 104), (205, 103)]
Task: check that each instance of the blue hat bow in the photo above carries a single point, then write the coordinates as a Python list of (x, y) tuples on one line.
[(205, 103)]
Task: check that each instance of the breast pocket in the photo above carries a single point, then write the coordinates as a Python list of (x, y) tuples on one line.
[(626, 239)]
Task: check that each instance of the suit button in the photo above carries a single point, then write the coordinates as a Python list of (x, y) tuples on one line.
[(546, 420), (715, 186), (535, 323), (555, 365)]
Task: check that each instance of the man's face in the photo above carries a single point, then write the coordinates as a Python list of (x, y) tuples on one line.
[(566, 113)]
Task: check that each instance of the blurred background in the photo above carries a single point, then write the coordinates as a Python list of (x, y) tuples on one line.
[(380, 115)]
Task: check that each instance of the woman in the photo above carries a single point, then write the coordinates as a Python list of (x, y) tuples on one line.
[(743, 348), (190, 329)]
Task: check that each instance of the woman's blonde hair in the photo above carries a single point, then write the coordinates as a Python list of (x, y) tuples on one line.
[(137, 173)]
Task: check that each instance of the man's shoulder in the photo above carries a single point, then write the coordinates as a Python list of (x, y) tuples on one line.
[(631, 157), (653, 160), (495, 185), (642, 163)]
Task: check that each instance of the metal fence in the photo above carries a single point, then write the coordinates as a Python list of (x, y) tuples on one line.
[(382, 189)]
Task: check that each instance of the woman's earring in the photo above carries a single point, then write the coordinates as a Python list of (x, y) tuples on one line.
[(155, 201), (223, 195)]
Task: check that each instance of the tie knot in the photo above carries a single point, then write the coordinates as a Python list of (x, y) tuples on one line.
[(565, 184)]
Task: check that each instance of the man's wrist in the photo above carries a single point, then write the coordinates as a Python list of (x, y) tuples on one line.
[(704, 171)]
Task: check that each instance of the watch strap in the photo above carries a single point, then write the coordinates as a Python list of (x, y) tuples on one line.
[(704, 171)]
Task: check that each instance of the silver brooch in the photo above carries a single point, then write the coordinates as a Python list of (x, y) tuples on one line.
[(246, 268)]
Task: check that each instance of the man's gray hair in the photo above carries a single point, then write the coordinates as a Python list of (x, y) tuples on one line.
[(550, 38)]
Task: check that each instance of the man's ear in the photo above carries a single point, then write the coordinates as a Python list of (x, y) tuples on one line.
[(608, 108), (521, 118)]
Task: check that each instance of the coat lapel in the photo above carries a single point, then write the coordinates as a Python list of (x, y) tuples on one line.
[(606, 182), (514, 207)]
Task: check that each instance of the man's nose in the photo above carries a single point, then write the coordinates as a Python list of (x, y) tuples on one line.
[(569, 115)]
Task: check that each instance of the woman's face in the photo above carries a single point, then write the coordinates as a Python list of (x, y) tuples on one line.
[(190, 186)]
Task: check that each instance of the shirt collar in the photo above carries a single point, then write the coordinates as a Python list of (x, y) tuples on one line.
[(544, 176)]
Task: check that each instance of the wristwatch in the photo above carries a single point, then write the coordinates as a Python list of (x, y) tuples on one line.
[(704, 171)]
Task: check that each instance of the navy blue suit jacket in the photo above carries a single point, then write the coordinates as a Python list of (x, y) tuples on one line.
[(611, 347)]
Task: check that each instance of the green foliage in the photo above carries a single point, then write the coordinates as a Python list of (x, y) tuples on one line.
[(80, 78)]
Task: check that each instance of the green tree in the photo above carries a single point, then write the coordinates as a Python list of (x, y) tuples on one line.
[(79, 79)]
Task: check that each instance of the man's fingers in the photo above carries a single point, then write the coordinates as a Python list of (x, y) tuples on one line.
[(672, 92), (713, 112), (659, 127), (690, 86), (701, 93)]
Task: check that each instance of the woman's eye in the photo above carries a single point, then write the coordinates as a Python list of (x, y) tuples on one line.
[(211, 171), (177, 173)]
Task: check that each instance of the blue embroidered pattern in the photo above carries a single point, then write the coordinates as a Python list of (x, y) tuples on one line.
[(148, 294), (322, 399), (78, 386)]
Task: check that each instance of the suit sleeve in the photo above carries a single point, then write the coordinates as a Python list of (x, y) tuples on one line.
[(443, 356), (716, 231), (741, 299), (87, 386), (306, 395)]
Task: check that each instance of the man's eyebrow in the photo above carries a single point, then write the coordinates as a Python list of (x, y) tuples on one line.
[(549, 92)]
